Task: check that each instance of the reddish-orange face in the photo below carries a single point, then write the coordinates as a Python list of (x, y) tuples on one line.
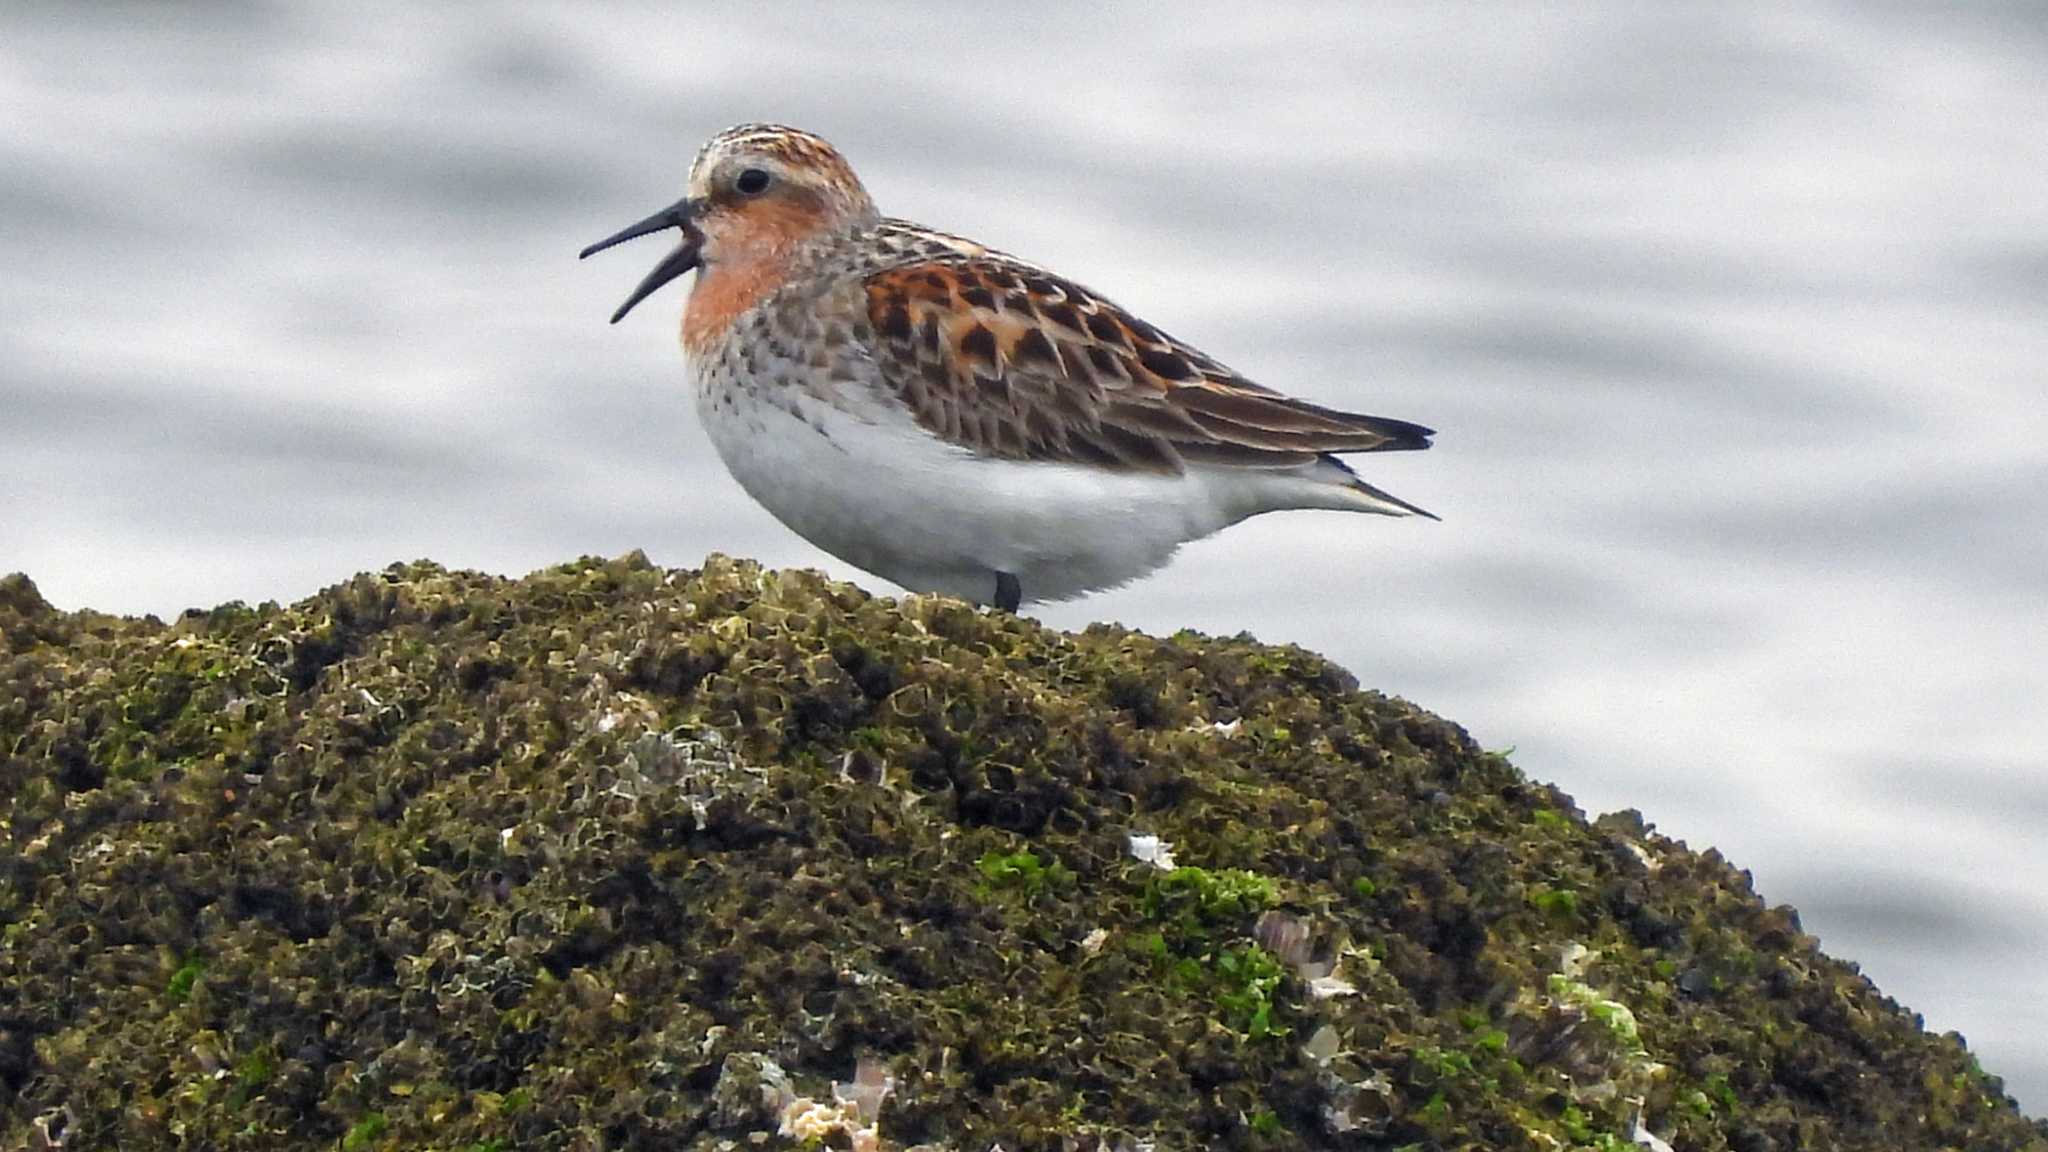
[(756, 194), (762, 190)]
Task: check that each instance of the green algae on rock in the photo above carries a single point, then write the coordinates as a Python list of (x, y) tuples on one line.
[(619, 857)]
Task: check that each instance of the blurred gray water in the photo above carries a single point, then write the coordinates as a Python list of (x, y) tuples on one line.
[(1733, 320)]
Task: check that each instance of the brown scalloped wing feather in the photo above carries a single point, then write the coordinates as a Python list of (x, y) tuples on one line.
[(1009, 361)]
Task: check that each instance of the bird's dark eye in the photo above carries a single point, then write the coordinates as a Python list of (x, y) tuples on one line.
[(751, 182)]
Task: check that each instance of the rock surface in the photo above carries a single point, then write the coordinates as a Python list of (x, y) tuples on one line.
[(619, 857)]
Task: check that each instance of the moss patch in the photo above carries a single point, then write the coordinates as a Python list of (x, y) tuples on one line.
[(619, 857)]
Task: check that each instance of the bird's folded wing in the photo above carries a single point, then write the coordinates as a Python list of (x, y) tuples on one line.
[(1007, 360)]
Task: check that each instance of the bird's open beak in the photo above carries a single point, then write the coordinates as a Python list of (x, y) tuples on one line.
[(684, 258)]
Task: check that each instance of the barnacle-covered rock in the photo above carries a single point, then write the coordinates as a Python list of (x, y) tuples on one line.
[(619, 857)]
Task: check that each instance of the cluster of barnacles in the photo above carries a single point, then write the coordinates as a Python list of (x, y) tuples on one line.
[(697, 766), (1292, 941), (1593, 1039), (1289, 939), (855, 1109)]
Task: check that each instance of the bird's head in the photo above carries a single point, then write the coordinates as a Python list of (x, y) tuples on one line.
[(756, 193)]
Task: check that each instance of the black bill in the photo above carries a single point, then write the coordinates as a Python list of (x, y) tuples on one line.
[(684, 258)]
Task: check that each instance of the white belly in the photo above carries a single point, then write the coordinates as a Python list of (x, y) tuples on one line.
[(884, 495)]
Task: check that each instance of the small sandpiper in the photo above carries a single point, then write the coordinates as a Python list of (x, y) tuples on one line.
[(957, 420)]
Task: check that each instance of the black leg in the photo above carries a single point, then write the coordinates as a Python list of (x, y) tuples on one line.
[(1009, 593)]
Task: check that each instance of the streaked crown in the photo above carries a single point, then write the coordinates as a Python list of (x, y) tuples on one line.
[(799, 167)]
